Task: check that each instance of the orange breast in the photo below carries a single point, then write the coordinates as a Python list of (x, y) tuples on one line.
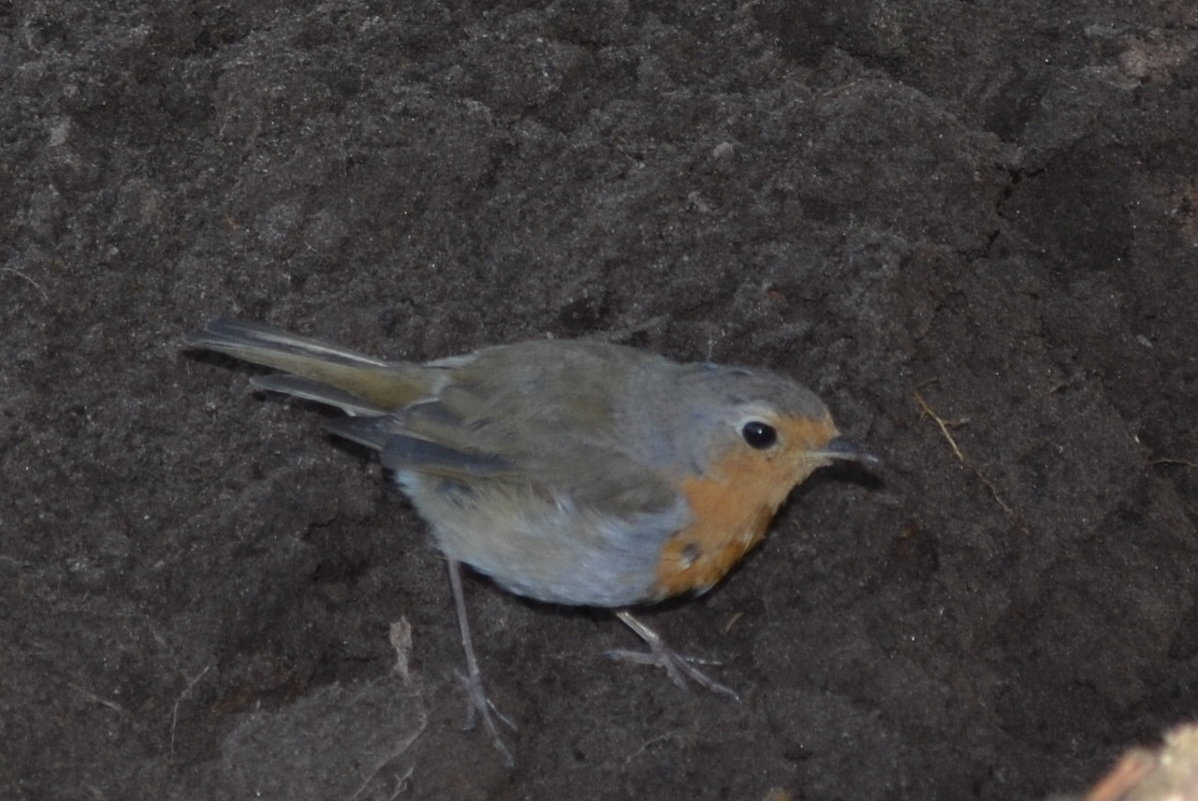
[(732, 508), (698, 556)]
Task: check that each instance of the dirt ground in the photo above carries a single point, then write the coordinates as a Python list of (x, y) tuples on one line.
[(971, 228)]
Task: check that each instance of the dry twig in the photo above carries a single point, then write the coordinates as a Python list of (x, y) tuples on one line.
[(944, 426)]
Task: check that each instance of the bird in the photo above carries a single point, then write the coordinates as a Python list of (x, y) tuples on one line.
[(569, 471)]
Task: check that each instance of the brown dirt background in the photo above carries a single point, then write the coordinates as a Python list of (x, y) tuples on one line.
[(994, 206)]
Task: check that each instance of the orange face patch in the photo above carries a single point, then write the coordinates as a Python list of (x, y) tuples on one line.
[(732, 506)]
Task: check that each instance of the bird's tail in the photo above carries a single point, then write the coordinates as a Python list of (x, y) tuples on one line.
[(320, 371)]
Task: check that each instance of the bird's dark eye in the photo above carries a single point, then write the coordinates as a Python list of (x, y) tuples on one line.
[(759, 435)]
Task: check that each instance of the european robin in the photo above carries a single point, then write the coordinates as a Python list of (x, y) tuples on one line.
[(572, 472)]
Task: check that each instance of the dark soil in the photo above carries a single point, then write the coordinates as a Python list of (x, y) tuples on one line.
[(971, 227)]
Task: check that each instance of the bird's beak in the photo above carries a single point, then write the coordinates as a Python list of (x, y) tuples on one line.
[(842, 450)]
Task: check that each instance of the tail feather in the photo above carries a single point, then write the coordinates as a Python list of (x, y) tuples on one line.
[(307, 389), (273, 347), (373, 382)]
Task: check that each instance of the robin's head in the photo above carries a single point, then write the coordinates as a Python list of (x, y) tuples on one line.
[(755, 422), (753, 436)]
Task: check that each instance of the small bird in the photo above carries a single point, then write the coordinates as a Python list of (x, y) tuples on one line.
[(571, 472)]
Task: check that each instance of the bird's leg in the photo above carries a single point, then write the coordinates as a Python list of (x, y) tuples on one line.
[(677, 666), (479, 705)]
